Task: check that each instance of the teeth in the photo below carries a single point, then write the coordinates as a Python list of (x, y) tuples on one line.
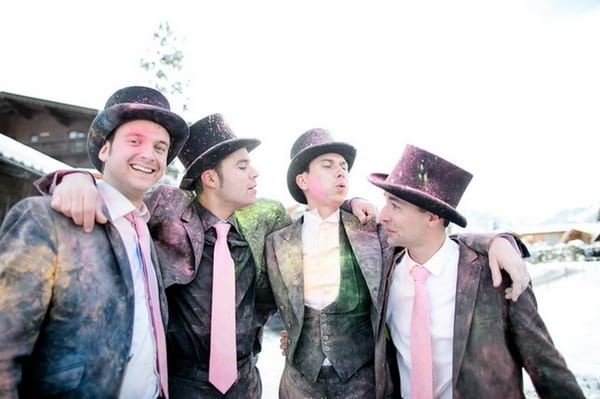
[(141, 168)]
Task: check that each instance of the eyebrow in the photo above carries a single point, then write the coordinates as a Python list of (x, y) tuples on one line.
[(332, 160), (392, 198)]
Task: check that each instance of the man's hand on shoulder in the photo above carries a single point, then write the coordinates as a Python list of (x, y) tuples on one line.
[(77, 197), (503, 255)]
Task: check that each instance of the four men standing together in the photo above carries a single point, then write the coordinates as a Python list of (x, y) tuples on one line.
[(330, 276)]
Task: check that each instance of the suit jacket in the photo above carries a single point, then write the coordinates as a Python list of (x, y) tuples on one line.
[(179, 237), (494, 338), (66, 306), (285, 268)]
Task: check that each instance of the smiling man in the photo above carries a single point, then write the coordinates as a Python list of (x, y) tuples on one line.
[(80, 314)]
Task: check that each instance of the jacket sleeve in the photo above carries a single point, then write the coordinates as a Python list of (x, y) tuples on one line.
[(46, 184), (480, 242), (544, 363), (257, 222), (27, 272)]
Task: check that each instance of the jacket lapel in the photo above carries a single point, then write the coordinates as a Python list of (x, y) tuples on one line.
[(120, 252), (367, 249), (195, 233), (289, 253), (469, 272)]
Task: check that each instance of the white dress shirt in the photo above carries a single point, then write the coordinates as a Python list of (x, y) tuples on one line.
[(140, 379), (441, 287), (321, 258)]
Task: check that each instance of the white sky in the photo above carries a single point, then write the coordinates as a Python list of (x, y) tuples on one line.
[(509, 90)]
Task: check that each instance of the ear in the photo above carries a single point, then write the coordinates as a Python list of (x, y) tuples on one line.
[(302, 181), (104, 151), (433, 218), (210, 178)]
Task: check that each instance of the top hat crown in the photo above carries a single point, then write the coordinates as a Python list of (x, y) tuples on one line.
[(428, 181)]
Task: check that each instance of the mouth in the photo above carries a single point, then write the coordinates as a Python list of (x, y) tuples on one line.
[(142, 169)]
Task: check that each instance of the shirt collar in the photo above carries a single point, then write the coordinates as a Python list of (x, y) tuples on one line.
[(208, 219), (436, 263), (313, 217), (117, 204)]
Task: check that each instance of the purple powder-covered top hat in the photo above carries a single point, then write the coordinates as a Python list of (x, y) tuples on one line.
[(135, 103), (211, 139), (307, 147), (427, 181)]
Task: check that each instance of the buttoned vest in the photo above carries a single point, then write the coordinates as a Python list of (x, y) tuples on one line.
[(341, 331)]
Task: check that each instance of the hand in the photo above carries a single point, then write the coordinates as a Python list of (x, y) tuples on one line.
[(503, 255), (283, 342), (363, 210), (77, 197)]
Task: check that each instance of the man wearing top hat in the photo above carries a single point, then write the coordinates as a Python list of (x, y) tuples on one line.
[(220, 173), (455, 335), (80, 315), (326, 273)]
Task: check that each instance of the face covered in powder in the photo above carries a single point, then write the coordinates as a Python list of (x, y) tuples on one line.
[(325, 183)]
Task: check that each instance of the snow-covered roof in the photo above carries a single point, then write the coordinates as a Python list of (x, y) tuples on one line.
[(28, 158), (593, 228)]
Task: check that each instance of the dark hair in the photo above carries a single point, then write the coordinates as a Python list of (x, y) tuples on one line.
[(197, 186)]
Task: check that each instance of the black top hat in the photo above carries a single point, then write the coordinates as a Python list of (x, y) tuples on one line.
[(211, 140), (307, 147), (427, 181), (135, 103)]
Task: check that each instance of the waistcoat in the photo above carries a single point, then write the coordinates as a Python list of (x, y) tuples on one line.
[(341, 331)]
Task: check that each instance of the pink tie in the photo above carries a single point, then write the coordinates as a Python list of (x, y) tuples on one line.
[(143, 235), (421, 379), (222, 370)]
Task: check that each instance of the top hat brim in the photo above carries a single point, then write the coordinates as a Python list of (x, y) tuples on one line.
[(209, 158), (110, 118), (300, 162), (419, 198)]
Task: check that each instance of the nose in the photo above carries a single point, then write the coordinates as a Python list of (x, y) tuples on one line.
[(253, 172), (147, 151), (384, 214)]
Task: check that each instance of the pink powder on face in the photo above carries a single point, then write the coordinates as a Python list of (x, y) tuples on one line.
[(315, 188)]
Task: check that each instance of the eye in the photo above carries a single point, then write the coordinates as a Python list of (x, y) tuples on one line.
[(161, 149)]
